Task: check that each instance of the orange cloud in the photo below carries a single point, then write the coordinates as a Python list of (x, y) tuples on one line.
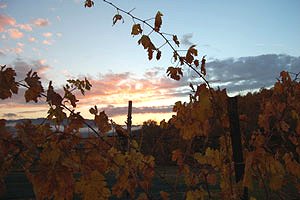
[(119, 88), (6, 21), (47, 35), (47, 42), (41, 22), (15, 33), (32, 39)]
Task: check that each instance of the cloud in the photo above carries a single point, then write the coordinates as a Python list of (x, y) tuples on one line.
[(22, 68), (47, 35), (113, 111), (249, 73), (17, 50), (3, 5), (40, 22), (25, 27), (186, 39), (47, 42), (15, 33), (10, 115), (32, 39), (117, 88), (2, 54), (154, 92), (59, 34), (6, 21)]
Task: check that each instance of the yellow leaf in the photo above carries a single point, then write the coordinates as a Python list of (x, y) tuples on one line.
[(93, 186)]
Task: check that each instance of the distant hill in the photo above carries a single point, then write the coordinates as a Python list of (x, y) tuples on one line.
[(85, 131)]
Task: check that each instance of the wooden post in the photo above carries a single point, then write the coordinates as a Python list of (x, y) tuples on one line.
[(236, 143), (129, 117), (129, 123)]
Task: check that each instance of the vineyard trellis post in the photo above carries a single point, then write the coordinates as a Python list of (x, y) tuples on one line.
[(129, 122), (239, 165)]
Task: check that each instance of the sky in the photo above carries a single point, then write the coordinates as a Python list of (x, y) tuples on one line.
[(247, 44)]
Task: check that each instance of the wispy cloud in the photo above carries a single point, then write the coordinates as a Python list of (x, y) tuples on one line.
[(186, 39)]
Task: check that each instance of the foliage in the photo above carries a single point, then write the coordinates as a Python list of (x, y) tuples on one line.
[(60, 163)]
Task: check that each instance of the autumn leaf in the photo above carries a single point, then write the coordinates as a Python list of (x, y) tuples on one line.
[(136, 29), (203, 70), (158, 21), (71, 97), (190, 54), (164, 195), (93, 186), (177, 156), (94, 110), (88, 3), (284, 126), (101, 121), (174, 73), (7, 82), (158, 54), (116, 18), (212, 179), (53, 98), (196, 63), (35, 87), (146, 42), (175, 39)]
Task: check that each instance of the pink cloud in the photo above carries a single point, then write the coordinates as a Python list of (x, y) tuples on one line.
[(6, 21), (41, 22), (15, 33), (47, 42), (19, 44), (115, 88), (47, 35), (32, 39), (25, 27)]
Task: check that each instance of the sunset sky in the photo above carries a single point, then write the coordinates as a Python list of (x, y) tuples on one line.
[(247, 44)]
